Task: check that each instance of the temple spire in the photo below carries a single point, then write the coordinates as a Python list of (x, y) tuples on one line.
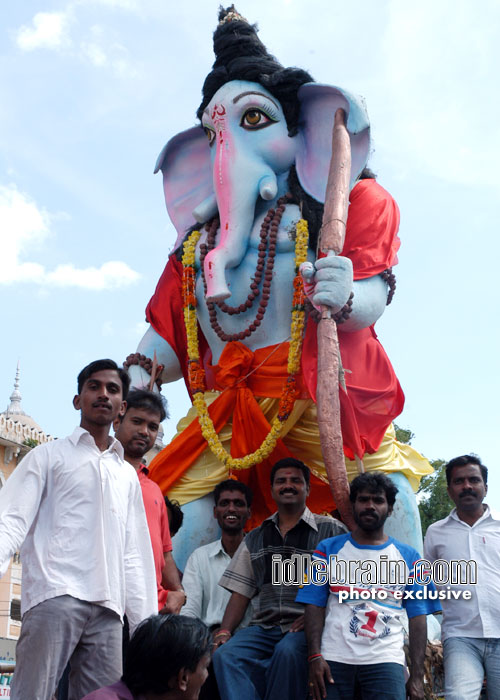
[(15, 397)]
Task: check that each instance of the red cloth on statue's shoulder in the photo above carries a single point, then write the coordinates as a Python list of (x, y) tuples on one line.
[(371, 240), (374, 396)]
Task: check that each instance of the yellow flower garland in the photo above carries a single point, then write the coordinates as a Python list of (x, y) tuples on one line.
[(294, 353)]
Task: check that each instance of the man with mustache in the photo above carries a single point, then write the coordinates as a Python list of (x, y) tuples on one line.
[(353, 622), (470, 630), (266, 660), (75, 509), (137, 431)]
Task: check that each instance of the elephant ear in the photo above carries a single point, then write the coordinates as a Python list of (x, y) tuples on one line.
[(318, 106), (187, 179)]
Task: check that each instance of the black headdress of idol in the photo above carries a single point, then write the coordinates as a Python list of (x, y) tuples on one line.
[(240, 55)]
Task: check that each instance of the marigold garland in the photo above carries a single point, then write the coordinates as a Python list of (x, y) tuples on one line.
[(196, 373)]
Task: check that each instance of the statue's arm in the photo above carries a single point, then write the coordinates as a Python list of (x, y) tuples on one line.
[(368, 304), (153, 342), (329, 282)]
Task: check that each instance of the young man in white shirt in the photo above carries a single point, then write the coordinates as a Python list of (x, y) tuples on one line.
[(75, 509), (204, 568), (205, 598), (469, 535)]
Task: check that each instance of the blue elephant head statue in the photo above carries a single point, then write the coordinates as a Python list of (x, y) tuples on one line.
[(265, 130)]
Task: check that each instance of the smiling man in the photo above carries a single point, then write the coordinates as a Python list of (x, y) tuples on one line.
[(470, 631), (137, 431), (75, 509), (267, 660), (356, 641), (205, 598)]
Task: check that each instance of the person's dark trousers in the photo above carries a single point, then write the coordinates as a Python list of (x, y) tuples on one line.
[(385, 681), (259, 663), (63, 687)]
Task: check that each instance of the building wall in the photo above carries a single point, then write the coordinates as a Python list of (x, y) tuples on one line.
[(13, 435), (10, 584)]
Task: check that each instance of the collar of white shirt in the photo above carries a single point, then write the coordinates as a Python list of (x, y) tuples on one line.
[(80, 434), (488, 513)]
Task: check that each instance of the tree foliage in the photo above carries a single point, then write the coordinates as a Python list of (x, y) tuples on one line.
[(434, 503)]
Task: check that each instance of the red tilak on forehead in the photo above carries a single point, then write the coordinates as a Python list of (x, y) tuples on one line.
[(218, 110)]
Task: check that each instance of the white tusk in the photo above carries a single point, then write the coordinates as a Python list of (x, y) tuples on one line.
[(206, 209), (268, 187)]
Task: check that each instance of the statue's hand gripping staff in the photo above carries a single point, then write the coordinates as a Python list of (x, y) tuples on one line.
[(329, 365)]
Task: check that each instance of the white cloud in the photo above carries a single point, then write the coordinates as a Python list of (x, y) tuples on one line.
[(94, 54), (101, 53), (23, 226), (129, 5), (436, 109), (49, 30)]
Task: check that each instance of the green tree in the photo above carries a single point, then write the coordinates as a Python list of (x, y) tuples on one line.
[(434, 503)]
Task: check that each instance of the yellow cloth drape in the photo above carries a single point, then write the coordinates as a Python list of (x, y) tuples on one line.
[(301, 437)]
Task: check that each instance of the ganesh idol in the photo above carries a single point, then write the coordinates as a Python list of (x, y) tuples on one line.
[(235, 310)]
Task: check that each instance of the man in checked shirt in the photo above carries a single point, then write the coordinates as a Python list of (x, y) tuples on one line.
[(268, 659)]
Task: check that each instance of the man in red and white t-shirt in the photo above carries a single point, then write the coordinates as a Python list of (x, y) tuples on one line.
[(353, 616), (137, 431)]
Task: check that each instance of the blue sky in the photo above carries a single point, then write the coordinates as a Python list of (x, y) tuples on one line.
[(90, 90)]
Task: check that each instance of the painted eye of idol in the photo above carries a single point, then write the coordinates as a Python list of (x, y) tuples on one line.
[(255, 118), (210, 134)]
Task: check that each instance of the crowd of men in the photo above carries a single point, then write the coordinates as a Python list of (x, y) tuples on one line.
[(96, 549)]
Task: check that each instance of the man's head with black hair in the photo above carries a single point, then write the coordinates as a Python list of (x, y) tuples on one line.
[(175, 515), (232, 501), (467, 480), (168, 656), (149, 401), (137, 429), (374, 482), (233, 485), (372, 495), (98, 366), (462, 461), (102, 389), (291, 462)]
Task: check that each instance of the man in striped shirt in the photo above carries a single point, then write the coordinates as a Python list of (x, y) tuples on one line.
[(267, 660)]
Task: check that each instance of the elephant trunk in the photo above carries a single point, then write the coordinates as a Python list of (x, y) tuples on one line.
[(238, 183)]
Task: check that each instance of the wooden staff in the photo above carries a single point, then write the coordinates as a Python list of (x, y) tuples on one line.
[(332, 237)]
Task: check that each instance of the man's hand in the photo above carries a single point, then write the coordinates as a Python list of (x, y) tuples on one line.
[(415, 687), (418, 642), (319, 675), (297, 625), (175, 601), (220, 637)]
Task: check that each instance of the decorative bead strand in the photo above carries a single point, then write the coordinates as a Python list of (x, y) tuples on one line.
[(269, 232), (289, 391)]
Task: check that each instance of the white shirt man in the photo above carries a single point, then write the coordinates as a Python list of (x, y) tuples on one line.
[(75, 509), (471, 535), (205, 598)]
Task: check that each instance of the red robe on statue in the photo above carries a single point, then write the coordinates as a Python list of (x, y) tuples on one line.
[(374, 397)]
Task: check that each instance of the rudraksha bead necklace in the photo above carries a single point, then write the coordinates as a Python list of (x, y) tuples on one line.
[(268, 239)]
